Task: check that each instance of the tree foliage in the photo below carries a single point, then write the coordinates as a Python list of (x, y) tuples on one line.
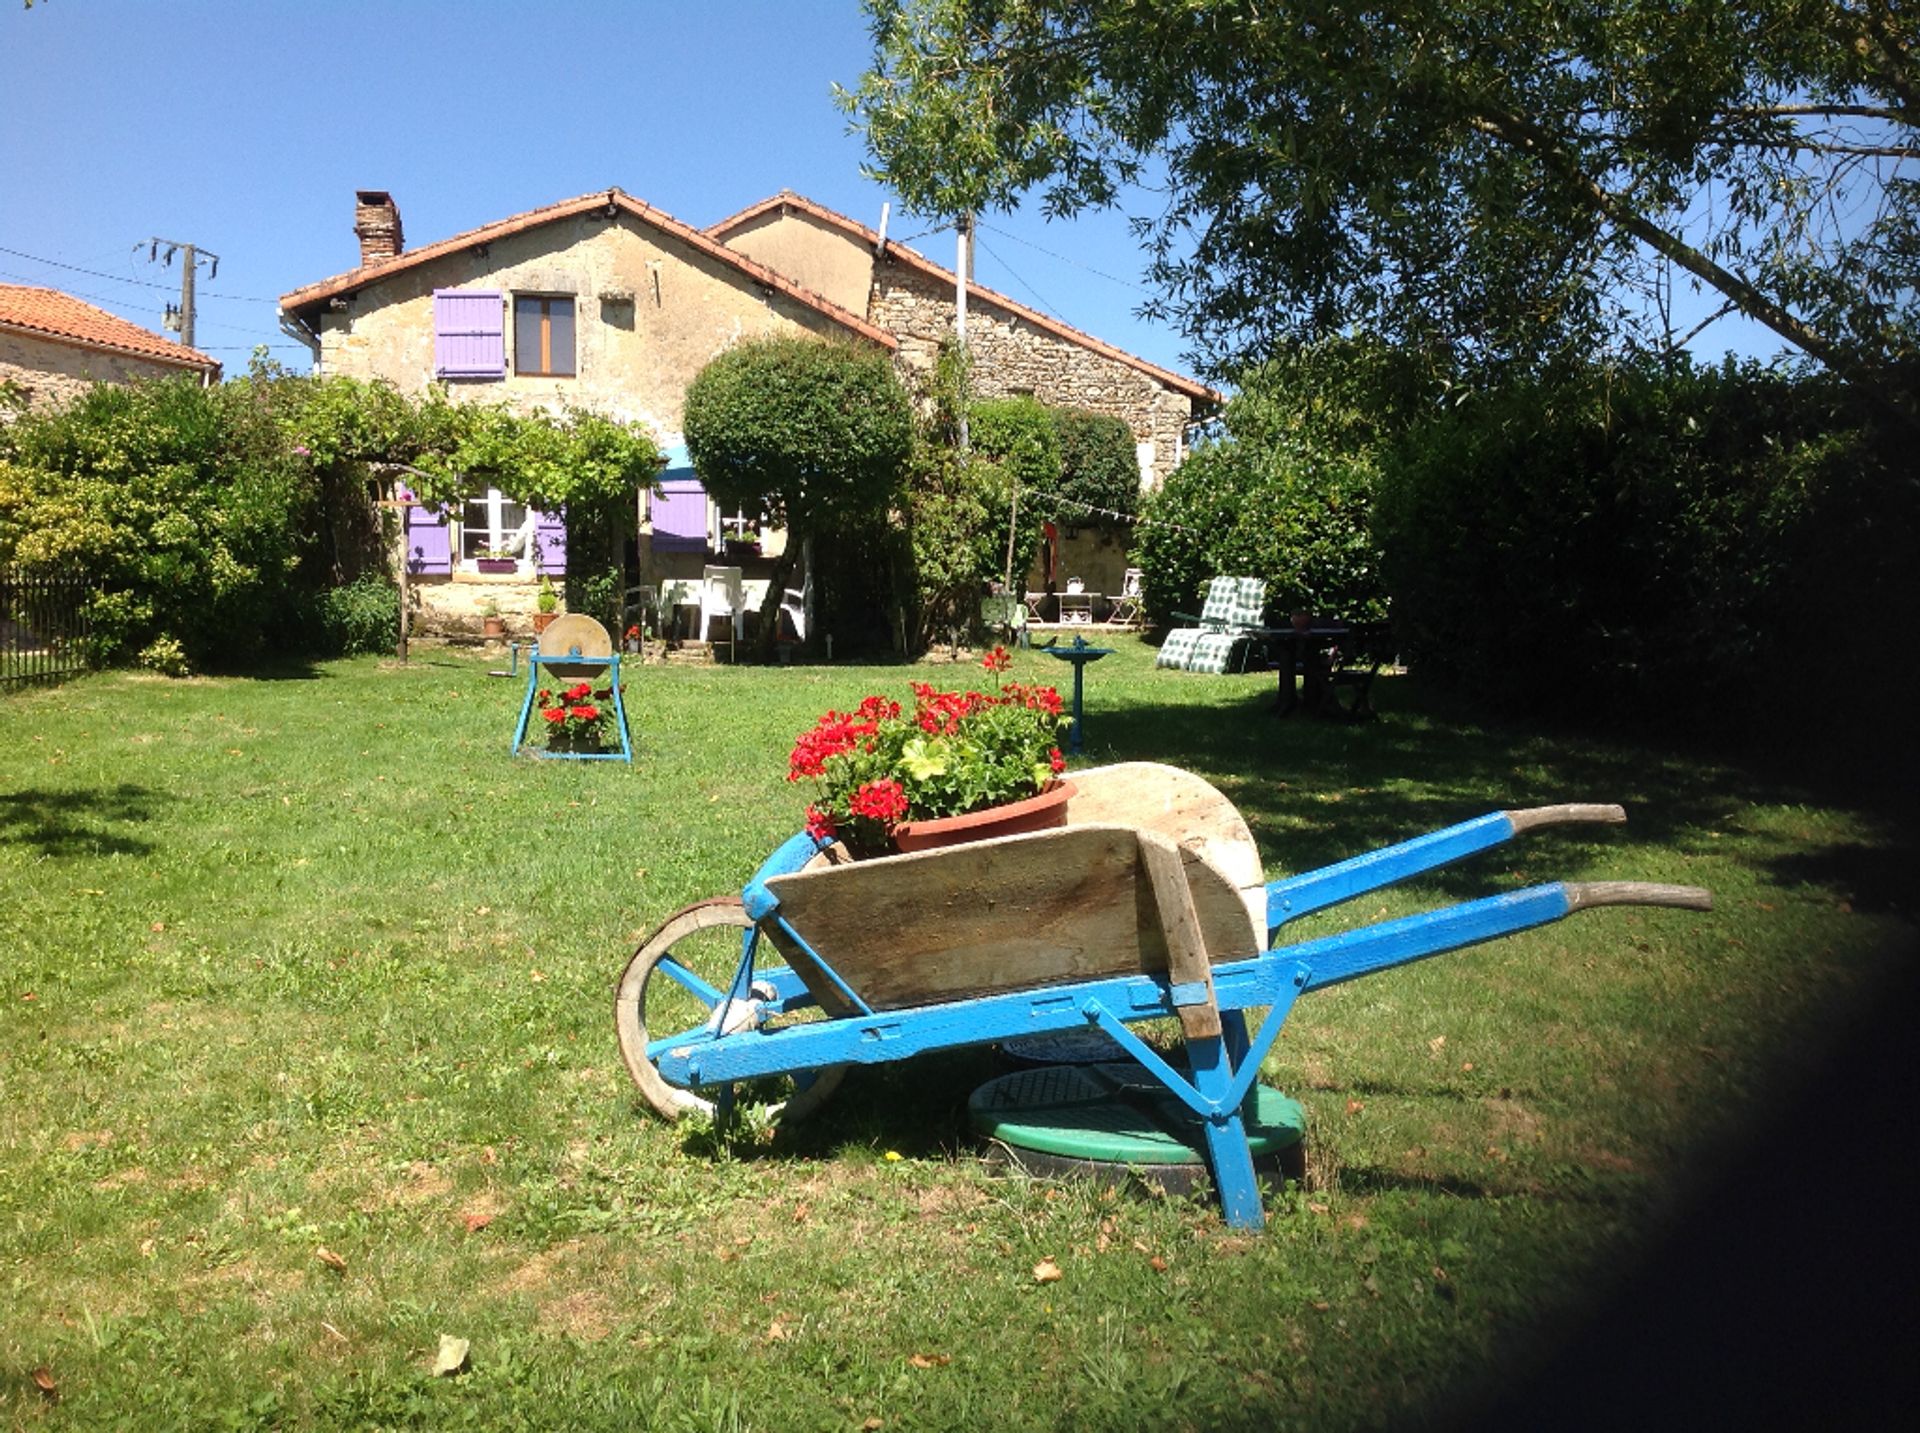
[(183, 503), (1099, 468), (213, 518), (1271, 499), (1719, 545), (800, 430), (811, 435), (1486, 182)]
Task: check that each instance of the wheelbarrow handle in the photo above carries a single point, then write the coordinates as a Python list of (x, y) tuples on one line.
[(1295, 896), (1564, 815), (1584, 895)]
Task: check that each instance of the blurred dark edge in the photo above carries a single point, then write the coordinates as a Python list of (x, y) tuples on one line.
[(1785, 1292)]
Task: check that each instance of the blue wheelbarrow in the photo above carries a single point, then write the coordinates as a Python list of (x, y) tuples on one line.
[(1150, 904)]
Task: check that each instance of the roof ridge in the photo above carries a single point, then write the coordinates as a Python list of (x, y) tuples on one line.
[(565, 208), (1066, 330)]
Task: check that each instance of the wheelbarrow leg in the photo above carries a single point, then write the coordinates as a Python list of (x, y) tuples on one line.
[(1227, 1149)]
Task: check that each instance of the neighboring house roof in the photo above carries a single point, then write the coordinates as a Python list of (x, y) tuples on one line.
[(50, 314), (854, 229), (314, 294)]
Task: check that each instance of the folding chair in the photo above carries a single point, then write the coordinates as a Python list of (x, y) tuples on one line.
[(1233, 612), (1125, 611)]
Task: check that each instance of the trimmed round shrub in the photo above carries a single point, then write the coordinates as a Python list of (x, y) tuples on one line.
[(1282, 511)]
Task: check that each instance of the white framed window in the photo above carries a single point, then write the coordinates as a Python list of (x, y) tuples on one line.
[(494, 525)]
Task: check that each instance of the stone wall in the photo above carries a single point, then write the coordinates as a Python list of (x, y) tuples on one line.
[(1013, 356), (54, 374)]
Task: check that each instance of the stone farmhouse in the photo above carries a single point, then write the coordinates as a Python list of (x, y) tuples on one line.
[(53, 347), (605, 302)]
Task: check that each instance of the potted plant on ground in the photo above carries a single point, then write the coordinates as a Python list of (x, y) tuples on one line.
[(546, 607), (491, 622), (960, 766), (578, 718)]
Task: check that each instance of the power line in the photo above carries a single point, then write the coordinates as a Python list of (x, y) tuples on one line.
[(139, 283), (1047, 307), (1063, 258)]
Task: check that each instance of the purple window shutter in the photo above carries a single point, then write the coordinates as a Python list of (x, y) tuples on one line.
[(469, 333), (680, 517), (428, 551), (550, 533)]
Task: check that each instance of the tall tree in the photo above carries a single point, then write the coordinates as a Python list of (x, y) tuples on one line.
[(1497, 181), (811, 435)]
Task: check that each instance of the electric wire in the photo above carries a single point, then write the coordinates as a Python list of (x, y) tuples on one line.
[(141, 283), (1045, 307), (1063, 258)]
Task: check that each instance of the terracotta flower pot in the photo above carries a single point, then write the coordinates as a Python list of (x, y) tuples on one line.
[(542, 621), (1036, 813), (494, 626)]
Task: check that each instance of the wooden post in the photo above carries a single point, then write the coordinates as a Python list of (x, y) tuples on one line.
[(401, 505)]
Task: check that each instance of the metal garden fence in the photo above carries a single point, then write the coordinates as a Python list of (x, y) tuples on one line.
[(45, 626)]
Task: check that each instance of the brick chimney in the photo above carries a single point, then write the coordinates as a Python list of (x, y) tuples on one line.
[(376, 219)]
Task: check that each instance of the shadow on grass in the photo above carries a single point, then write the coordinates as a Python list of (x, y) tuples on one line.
[(1315, 792), (1873, 879), (77, 823)]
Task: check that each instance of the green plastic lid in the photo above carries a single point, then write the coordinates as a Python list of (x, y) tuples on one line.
[(1117, 1113)]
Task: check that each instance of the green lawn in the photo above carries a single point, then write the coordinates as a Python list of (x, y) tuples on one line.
[(308, 962)]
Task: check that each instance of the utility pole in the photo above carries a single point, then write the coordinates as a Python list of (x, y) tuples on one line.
[(963, 269), (192, 256)]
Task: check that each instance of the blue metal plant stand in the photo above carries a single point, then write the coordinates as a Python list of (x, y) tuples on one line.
[(575, 666)]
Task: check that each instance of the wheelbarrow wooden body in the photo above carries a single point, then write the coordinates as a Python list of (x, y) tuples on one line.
[(1149, 904)]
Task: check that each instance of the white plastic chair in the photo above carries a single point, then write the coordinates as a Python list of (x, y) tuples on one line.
[(793, 602), (721, 595)]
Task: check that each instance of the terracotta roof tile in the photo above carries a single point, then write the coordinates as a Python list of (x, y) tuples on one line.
[(1176, 381), (49, 313), (313, 294)]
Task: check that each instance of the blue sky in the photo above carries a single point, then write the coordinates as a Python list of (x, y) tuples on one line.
[(245, 126)]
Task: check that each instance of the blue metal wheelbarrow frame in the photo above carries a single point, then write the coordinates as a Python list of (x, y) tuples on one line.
[(1210, 993)]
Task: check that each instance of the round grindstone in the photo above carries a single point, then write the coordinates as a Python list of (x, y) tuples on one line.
[(1114, 1118)]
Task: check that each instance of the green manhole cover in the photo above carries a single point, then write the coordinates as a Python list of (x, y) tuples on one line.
[(1117, 1114)]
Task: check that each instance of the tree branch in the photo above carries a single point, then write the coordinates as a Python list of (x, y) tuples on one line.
[(1828, 111), (1522, 134)]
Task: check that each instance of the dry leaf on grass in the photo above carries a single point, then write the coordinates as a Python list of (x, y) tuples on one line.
[(452, 1357), (43, 1380), (930, 1360), (873, 1425), (1157, 1264), (476, 1222), (330, 1259), (1046, 1272), (778, 1332)]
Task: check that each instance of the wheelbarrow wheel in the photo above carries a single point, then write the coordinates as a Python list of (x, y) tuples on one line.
[(676, 979)]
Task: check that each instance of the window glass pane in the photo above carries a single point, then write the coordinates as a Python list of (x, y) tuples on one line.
[(475, 532), (560, 334), (526, 335), (512, 515)]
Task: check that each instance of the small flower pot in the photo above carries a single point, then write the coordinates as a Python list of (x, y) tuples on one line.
[(542, 621), (494, 627), (1043, 812)]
